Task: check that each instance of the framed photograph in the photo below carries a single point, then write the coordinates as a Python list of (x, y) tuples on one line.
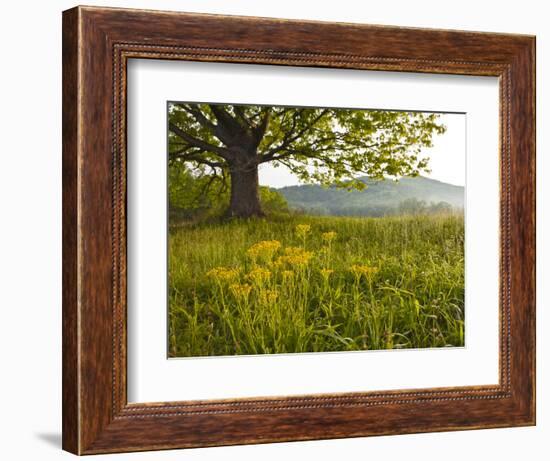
[(282, 230)]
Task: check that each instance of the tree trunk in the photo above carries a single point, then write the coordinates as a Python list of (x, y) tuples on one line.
[(245, 193)]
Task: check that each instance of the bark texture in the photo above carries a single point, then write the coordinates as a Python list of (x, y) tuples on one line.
[(245, 195)]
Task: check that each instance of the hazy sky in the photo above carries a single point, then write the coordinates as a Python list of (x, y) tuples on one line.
[(447, 157)]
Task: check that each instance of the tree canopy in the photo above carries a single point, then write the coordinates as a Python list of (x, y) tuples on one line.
[(227, 143)]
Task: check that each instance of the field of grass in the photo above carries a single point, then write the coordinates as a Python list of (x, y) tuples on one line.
[(312, 284)]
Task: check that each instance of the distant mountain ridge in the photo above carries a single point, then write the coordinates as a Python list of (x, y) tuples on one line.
[(379, 198)]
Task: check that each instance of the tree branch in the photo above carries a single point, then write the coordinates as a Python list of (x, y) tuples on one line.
[(225, 118), (260, 130), (199, 116), (202, 160), (290, 139), (222, 152)]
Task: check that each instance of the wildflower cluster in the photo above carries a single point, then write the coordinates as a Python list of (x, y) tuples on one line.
[(223, 274), (295, 256), (240, 290), (259, 275), (287, 275), (363, 270), (264, 250), (328, 237), (271, 267), (302, 230), (269, 296)]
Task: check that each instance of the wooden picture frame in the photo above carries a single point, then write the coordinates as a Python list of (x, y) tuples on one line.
[(97, 43)]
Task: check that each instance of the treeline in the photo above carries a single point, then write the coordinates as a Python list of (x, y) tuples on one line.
[(408, 207), (194, 197)]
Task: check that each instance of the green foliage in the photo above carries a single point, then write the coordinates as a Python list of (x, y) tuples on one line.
[(311, 284), (272, 201), (192, 196), (413, 206)]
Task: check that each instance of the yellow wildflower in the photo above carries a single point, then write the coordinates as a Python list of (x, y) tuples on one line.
[(363, 270), (325, 273), (302, 230), (270, 296), (295, 256), (263, 250), (328, 236), (223, 273), (287, 275), (277, 264), (240, 291), (259, 275)]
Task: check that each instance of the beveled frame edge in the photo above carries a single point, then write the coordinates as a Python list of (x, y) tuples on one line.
[(97, 42)]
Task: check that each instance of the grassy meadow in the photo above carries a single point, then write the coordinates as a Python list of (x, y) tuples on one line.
[(298, 283)]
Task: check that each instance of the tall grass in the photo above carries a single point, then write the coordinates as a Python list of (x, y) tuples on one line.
[(311, 284)]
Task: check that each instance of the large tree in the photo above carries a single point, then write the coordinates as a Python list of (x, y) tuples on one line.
[(324, 145)]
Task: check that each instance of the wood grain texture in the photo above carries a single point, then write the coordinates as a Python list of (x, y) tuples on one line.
[(70, 383), (97, 42)]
